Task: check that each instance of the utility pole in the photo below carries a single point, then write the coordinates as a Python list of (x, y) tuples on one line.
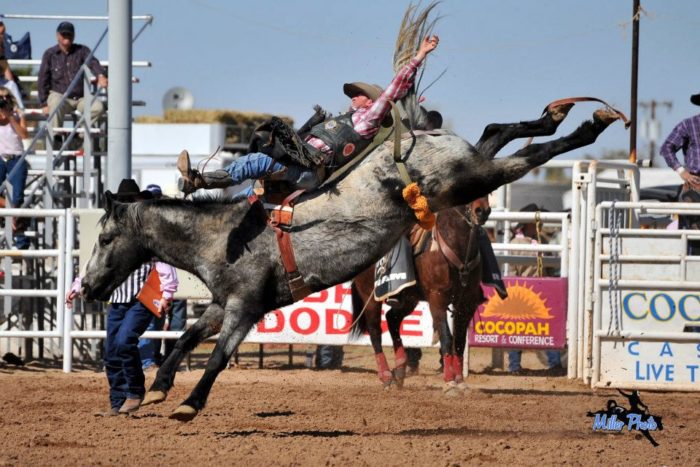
[(652, 128), (636, 11)]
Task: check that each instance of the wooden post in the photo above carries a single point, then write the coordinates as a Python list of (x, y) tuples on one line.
[(635, 69)]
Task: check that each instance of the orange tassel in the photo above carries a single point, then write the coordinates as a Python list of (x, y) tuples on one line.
[(419, 204)]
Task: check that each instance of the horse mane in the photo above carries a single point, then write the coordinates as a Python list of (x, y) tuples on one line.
[(415, 26), (206, 203), (203, 203)]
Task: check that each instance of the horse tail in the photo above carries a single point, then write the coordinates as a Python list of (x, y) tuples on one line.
[(359, 322)]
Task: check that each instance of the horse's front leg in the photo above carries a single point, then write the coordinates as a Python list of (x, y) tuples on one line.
[(238, 320), (469, 297), (438, 309), (394, 318), (461, 322), (373, 317), (206, 326)]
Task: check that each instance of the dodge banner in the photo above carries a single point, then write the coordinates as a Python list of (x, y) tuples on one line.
[(325, 318)]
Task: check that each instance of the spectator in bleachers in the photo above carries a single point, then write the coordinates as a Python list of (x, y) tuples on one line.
[(59, 65), (13, 128), (6, 73), (7, 81)]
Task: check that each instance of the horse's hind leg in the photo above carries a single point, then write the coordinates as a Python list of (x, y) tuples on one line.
[(235, 327), (206, 326), (497, 135), (534, 155), (367, 316)]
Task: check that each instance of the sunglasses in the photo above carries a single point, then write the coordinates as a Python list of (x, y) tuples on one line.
[(67, 35)]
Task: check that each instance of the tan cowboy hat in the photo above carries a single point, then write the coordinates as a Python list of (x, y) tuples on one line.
[(370, 90), (695, 99)]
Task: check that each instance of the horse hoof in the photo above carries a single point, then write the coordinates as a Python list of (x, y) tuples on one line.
[(450, 389), (605, 116), (399, 376), (184, 413), (154, 397), (559, 112)]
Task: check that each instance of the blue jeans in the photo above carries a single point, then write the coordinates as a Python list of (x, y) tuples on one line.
[(125, 323), (257, 165), (18, 179), (329, 357), (178, 320), (148, 348), (553, 359)]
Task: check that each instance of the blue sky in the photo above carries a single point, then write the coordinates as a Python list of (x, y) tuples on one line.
[(504, 59)]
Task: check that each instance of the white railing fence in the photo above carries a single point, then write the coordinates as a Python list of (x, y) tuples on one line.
[(583, 251)]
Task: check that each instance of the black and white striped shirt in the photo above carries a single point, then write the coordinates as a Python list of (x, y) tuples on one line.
[(126, 292)]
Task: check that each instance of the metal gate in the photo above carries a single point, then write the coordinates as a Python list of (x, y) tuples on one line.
[(646, 301)]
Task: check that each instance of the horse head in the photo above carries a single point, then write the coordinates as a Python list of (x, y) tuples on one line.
[(115, 254), (481, 210)]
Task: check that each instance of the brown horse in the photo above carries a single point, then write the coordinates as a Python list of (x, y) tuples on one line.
[(448, 272)]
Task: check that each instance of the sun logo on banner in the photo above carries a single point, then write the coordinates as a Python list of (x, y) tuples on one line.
[(523, 302)]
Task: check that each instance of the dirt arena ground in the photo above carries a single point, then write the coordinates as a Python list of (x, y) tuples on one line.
[(295, 416)]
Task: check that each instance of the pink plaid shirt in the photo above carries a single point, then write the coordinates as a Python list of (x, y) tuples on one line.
[(366, 121)]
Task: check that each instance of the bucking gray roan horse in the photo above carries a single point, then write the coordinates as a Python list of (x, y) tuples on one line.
[(338, 232)]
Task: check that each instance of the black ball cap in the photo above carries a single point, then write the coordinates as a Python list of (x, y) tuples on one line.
[(66, 27)]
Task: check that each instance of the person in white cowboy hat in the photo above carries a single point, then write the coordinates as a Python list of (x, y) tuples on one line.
[(330, 143)]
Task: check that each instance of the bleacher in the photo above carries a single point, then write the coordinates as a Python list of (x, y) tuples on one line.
[(65, 172)]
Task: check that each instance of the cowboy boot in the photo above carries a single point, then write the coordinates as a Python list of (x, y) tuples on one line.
[(192, 180), (130, 406), (189, 179), (214, 179)]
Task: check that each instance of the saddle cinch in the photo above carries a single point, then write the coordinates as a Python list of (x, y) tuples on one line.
[(278, 199)]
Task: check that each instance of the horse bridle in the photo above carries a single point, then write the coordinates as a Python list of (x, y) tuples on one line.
[(466, 266)]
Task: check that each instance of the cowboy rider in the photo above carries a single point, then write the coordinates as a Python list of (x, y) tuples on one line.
[(333, 142)]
